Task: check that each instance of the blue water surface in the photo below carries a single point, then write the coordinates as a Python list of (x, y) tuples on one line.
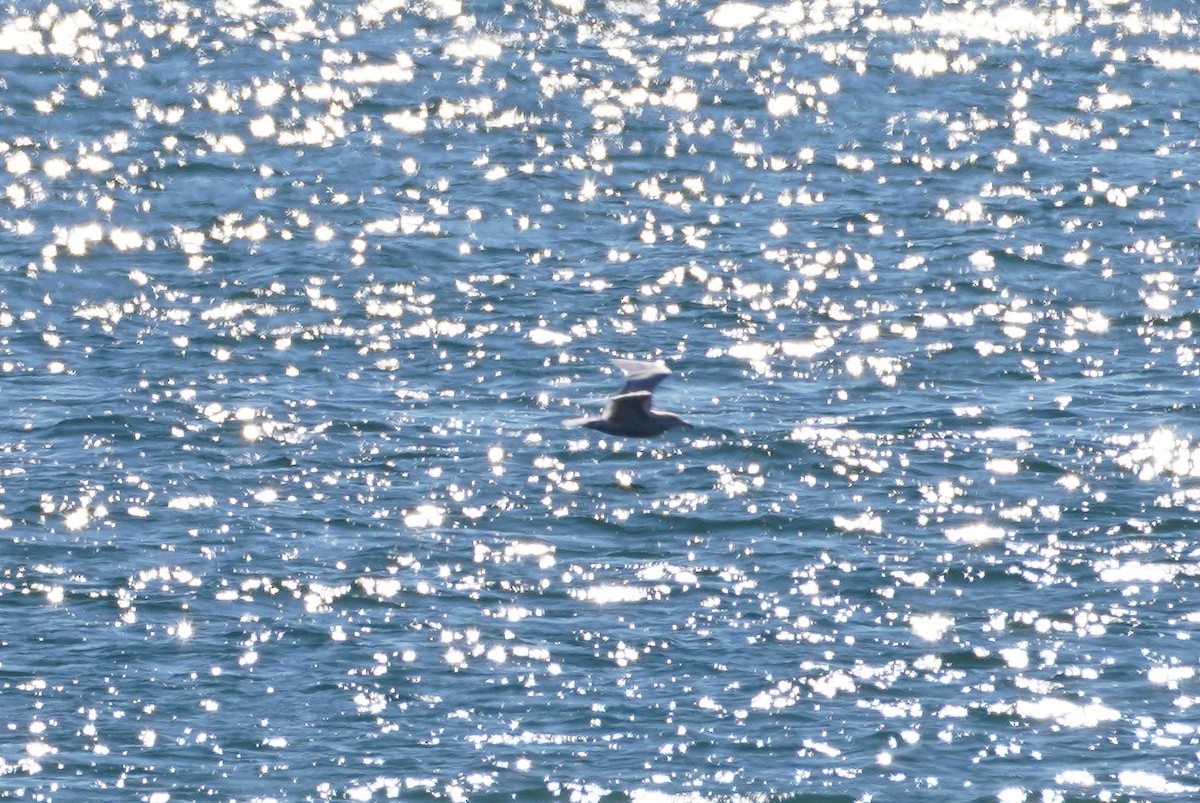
[(295, 297)]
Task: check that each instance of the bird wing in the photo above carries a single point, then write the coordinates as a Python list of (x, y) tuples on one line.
[(641, 376), (626, 407)]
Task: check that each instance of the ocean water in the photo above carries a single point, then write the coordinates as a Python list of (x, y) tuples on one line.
[(295, 296)]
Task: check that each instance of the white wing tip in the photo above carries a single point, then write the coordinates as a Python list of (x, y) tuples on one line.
[(629, 366)]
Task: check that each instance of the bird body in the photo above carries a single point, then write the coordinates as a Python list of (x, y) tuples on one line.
[(629, 414)]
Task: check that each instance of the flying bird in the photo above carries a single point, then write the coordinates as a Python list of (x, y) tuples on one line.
[(629, 413)]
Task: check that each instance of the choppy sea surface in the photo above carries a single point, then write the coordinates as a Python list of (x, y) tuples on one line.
[(295, 296)]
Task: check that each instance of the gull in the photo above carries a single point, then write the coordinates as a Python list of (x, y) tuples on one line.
[(629, 413)]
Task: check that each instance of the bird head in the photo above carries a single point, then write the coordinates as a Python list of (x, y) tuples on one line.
[(671, 421)]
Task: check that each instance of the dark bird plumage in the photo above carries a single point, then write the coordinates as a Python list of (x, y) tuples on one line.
[(629, 414)]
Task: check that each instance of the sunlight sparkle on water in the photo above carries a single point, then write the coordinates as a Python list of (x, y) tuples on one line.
[(286, 350)]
